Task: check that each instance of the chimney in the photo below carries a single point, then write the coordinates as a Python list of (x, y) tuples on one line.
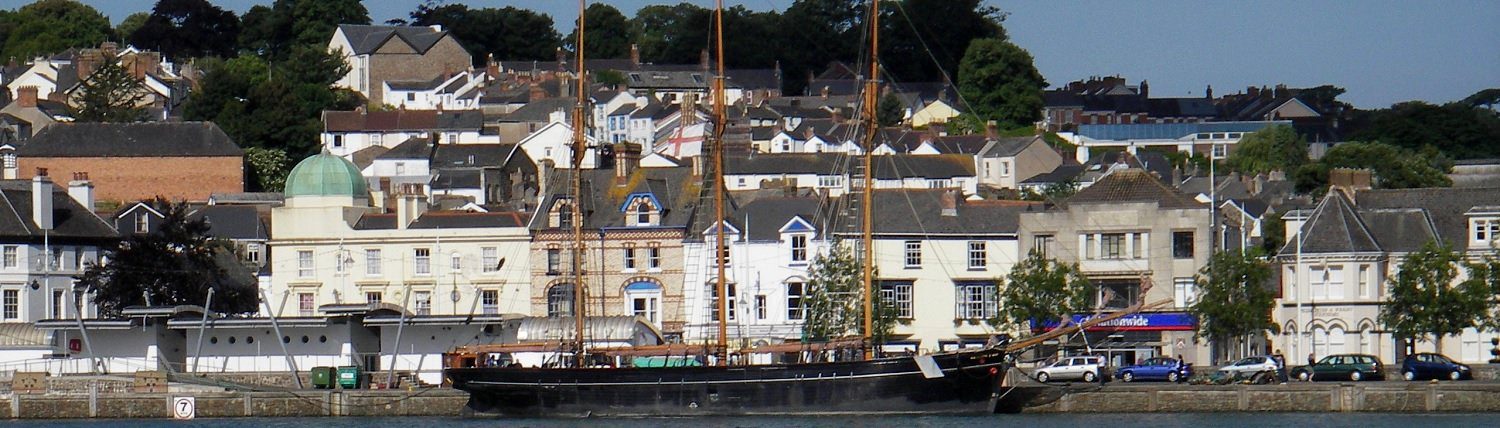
[(627, 159), (410, 204), (82, 190), (1209, 92), (26, 97), (1349, 180), (949, 201), (991, 129), (41, 199), (109, 48), (536, 92), (635, 56), (1145, 89)]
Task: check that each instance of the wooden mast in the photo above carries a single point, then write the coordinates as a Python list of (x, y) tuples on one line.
[(580, 145), (717, 150), (872, 86)]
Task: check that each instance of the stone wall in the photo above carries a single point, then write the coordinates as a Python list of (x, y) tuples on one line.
[(1390, 397), (431, 402)]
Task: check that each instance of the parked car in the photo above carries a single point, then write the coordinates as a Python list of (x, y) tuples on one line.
[(1433, 366), (1159, 368), (1249, 367), (1355, 367), (1085, 368)]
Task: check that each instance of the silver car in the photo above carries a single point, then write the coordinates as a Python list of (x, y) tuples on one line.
[(1085, 368), (1249, 366)]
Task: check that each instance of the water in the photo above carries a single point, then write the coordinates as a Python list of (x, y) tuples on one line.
[(1144, 420)]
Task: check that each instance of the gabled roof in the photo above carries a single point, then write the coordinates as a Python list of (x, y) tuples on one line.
[(401, 120), (763, 218), (1010, 146), (1333, 227), (603, 195), (70, 219), (920, 212), (540, 110), (366, 39), (1133, 185), (146, 139), (1446, 206)]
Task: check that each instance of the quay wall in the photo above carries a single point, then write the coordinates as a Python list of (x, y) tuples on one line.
[(1379, 397), (302, 403)]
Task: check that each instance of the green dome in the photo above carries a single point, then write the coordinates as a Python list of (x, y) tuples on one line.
[(326, 175)]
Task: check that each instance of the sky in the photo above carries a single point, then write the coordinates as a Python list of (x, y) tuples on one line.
[(1381, 51)]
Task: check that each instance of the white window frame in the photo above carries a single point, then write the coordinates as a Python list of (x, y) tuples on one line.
[(490, 256), (489, 301), (422, 302), (975, 300), (306, 264), (1184, 292), (372, 262), (422, 261), (913, 255), (12, 258), (899, 295), (978, 255), (798, 242)]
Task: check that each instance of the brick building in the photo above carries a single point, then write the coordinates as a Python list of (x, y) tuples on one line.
[(137, 161), (379, 53)]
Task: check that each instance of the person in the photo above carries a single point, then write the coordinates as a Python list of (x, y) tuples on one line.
[(1280, 366), (1310, 360)]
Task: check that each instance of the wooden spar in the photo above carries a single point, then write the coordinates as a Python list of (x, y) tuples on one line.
[(872, 85), (722, 351), (844, 343), (1061, 331), (580, 304)]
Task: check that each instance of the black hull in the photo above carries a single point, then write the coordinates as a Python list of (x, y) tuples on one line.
[(969, 385)]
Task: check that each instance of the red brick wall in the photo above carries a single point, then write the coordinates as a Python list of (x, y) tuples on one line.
[(139, 178)]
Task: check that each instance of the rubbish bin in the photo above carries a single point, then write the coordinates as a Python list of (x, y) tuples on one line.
[(322, 377), (349, 377)]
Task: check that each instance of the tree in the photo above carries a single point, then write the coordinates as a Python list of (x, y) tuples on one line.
[(1276, 148), (672, 34), (110, 94), (608, 33), (1235, 299), (281, 113), (821, 30), (275, 31), (1424, 300), (1485, 98), (51, 26), (188, 29), (1001, 83), (175, 265), (1393, 167), (890, 112), (1460, 130), (1041, 290), (924, 40), (267, 168), (834, 303), (1485, 275), (131, 23), (508, 33)]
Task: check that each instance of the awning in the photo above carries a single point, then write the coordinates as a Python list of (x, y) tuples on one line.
[(23, 335)]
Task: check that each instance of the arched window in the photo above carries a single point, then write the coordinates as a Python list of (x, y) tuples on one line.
[(560, 300), (564, 214), (643, 299), (1336, 341), (1366, 340), (1319, 341), (643, 213)]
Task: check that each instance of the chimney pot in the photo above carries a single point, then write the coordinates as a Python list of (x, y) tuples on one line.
[(26, 96)]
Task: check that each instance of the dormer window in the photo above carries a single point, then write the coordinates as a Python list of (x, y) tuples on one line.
[(643, 214), (1485, 229), (641, 210), (562, 216)]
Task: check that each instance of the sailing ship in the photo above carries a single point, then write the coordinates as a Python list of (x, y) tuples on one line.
[(972, 380)]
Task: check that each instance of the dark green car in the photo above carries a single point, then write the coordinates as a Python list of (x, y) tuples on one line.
[(1355, 367)]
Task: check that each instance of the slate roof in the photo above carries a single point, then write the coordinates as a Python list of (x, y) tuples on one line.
[(1010, 146), (1068, 170), (1446, 206), (1133, 185), (401, 120), (1181, 107), (1400, 230), (919, 211), (70, 219), (540, 110), (602, 199), (147, 139), (887, 167), (649, 79), (1169, 131), (761, 219), (457, 178), (236, 222), (366, 39), (760, 78), (464, 219), (1333, 227)]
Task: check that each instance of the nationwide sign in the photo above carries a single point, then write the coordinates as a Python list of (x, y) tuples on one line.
[(1156, 321)]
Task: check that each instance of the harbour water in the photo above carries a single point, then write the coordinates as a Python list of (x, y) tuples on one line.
[(1151, 420)]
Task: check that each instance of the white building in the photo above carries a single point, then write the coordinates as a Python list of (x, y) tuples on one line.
[(1202, 138)]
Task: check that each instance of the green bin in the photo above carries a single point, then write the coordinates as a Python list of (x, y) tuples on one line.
[(322, 377), (349, 377)]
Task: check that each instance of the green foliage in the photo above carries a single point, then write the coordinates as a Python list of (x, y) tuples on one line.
[(1393, 167), (834, 299), (672, 34), (175, 265), (889, 111), (267, 168), (608, 33), (1425, 301), (1484, 277), (188, 29), (508, 33), (821, 31), (51, 26), (277, 31), (1235, 297), (1460, 130), (281, 113), (1484, 98), (1272, 232), (924, 40), (131, 23), (1041, 289), (608, 77), (1001, 83), (1277, 148), (110, 94)]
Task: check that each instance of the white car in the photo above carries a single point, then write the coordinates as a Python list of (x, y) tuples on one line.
[(1249, 366), (1085, 368)]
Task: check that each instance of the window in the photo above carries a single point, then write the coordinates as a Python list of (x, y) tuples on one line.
[(373, 297), (372, 262), (490, 256), (1042, 244), (456, 262), (1336, 340), (828, 181), (423, 303), (913, 254), (713, 303), (12, 304), (1486, 230), (305, 304), (304, 263), (1327, 282), (10, 257), (977, 255), (643, 214), (653, 256), (489, 301), (799, 249), (1219, 150), (939, 183), (338, 141), (976, 300), (252, 252), (897, 295), (1364, 281), (643, 299), (78, 258), (1182, 245), (1118, 293), (142, 223), (723, 255), (58, 297), (760, 306), (1112, 246), (1004, 168), (1184, 292), (564, 215), (423, 259), (400, 168), (340, 260), (794, 309), (54, 259), (1089, 250), (630, 257), (560, 300), (554, 261)]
